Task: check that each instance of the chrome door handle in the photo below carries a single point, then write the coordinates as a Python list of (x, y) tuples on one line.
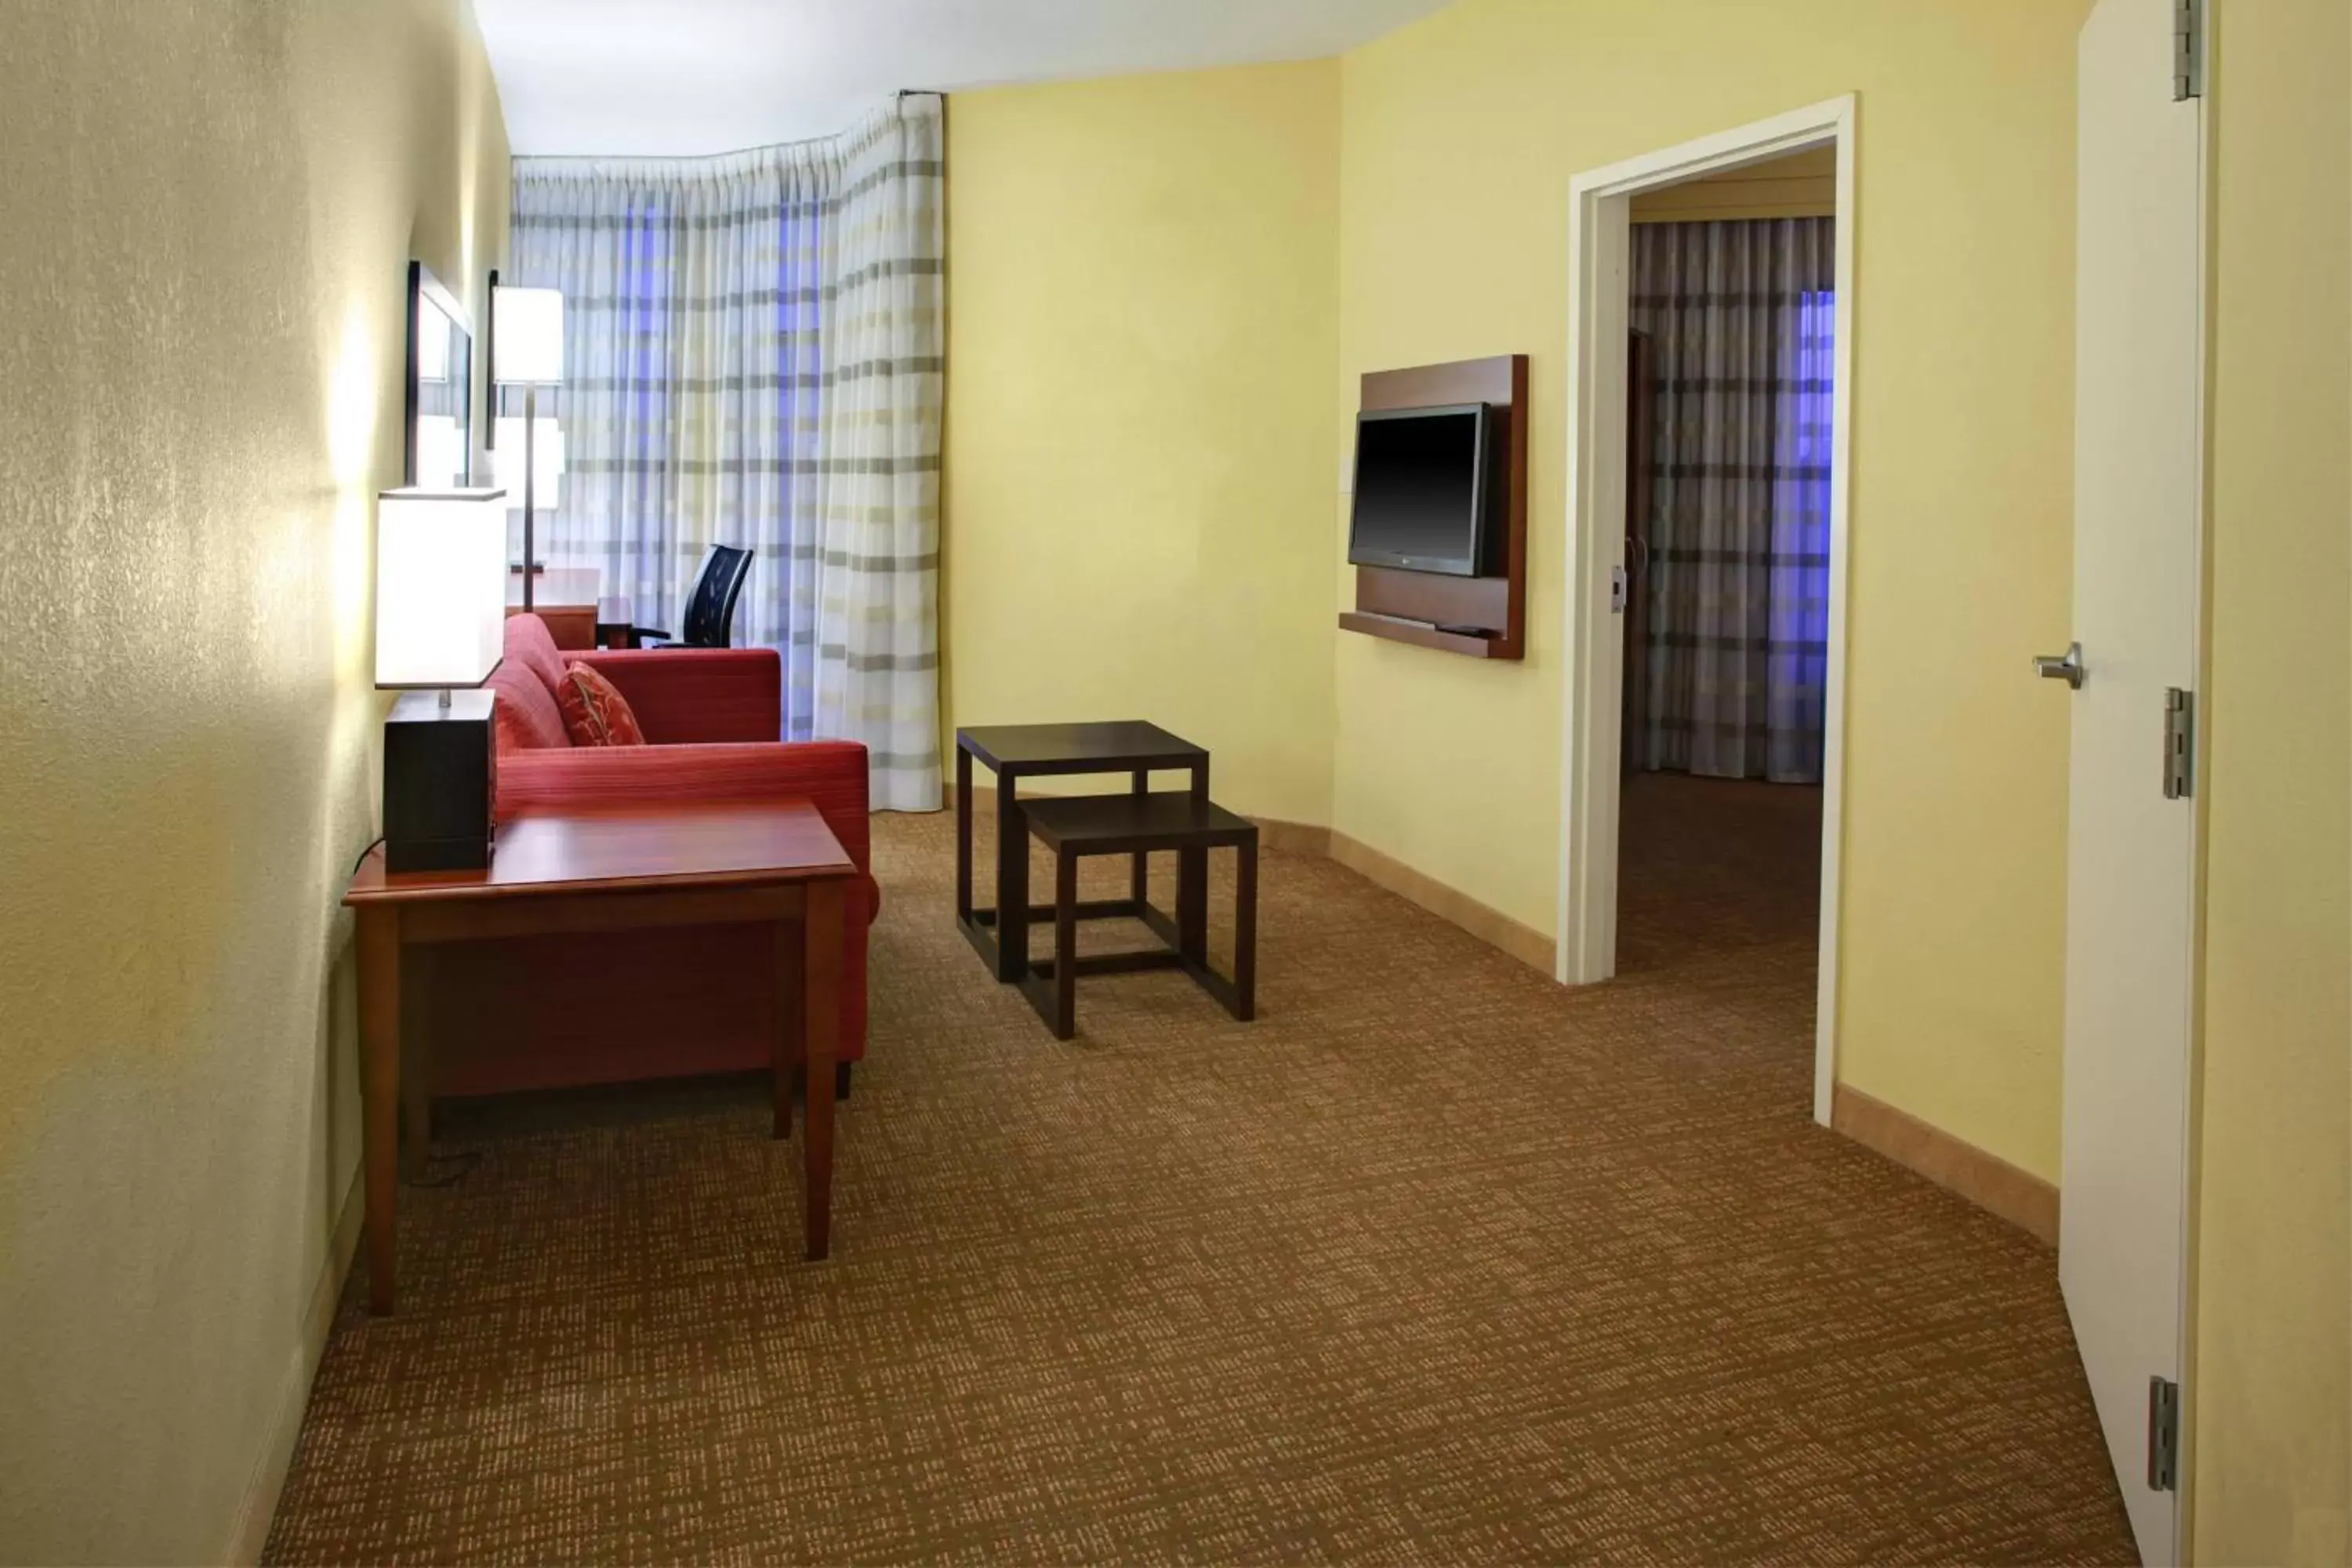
[(2067, 668)]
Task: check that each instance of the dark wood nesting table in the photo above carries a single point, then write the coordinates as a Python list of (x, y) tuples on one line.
[(1015, 751), (608, 870), (1077, 827)]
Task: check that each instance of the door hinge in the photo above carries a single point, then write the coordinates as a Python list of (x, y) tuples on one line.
[(1619, 590), (2163, 1434), (2179, 741), (2187, 49)]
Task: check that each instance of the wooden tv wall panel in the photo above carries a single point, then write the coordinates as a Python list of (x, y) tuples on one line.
[(1387, 601)]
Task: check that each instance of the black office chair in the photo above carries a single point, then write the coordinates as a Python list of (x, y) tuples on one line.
[(711, 608)]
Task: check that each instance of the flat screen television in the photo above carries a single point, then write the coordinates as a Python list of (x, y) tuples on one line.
[(1421, 489)]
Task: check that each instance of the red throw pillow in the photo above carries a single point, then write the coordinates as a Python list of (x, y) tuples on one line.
[(594, 712)]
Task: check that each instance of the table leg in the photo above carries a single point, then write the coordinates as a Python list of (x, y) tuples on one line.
[(821, 970), (792, 1022), (1066, 944), (1138, 882), (415, 1067), (963, 835), (1192, 885), (379, 978), (1245, 930), (1012, 883)]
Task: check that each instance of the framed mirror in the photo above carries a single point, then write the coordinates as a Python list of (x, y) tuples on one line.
[(440, 384), (490, 364)]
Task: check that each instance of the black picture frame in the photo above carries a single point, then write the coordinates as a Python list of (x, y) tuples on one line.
[(490, 364)]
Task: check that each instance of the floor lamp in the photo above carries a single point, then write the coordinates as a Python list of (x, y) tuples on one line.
[(521, 442), (528, 343)]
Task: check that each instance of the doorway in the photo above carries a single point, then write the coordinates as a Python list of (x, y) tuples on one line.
[(1703, 734), (1726, 589)]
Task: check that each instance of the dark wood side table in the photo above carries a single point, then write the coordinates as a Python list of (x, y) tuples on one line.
[(1077, 827), (611, 871), (1015, 751)]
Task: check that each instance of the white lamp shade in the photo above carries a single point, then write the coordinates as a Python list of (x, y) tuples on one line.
[(527, 325), (440, 587), (547, 461)]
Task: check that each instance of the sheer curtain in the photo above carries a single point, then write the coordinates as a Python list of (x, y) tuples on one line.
[(754, 351), (1742, 316)]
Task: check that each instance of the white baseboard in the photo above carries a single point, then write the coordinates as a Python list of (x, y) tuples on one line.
[(251, 1533)]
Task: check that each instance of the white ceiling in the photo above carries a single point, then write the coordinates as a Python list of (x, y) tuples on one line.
[(670, 78)]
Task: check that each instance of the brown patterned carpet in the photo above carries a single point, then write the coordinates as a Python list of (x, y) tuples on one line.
[(1433, 1263)]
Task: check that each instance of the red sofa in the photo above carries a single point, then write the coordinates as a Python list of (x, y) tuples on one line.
[(540, 1012)]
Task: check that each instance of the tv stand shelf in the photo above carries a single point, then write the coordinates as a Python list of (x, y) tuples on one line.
[(1421, 634), (1413, 606)]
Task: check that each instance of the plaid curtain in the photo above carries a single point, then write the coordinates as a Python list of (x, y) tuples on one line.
[(1742, 316), (753, 349)]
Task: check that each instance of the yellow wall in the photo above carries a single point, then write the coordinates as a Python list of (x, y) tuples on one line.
[(2272, 1389), (205, 224), (1802, 185), (1461, 134), (1140, 440)]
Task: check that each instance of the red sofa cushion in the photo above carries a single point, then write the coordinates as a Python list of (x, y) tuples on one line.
[(527, 718), (529, 642), (525, 680), (593, 713)]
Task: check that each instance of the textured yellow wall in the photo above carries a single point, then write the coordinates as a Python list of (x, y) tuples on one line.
[(1461, 133), (206, 213), (1142, 309), (2272, 1387)]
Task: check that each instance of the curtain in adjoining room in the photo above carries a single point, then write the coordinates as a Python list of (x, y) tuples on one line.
[(753, 349), (1742, 317)]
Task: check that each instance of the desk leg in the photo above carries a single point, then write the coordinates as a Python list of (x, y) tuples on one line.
[(379, 964), (1192, 886), (963, 835), (792, 1022), (821, 970), (1012, 883)]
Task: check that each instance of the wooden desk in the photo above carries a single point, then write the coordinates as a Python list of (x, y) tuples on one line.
[(1014, 752), (616, 622), (616, 871), (565, 598)]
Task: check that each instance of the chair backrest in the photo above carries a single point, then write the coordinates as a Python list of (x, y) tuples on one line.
[(711, 608)]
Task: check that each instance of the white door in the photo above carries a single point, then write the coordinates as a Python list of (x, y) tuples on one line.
[(2131, 844)]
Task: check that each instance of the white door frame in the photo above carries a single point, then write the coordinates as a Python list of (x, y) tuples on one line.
[(1598, 243)]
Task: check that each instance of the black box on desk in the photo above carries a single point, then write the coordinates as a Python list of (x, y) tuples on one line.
[(440, 781)]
